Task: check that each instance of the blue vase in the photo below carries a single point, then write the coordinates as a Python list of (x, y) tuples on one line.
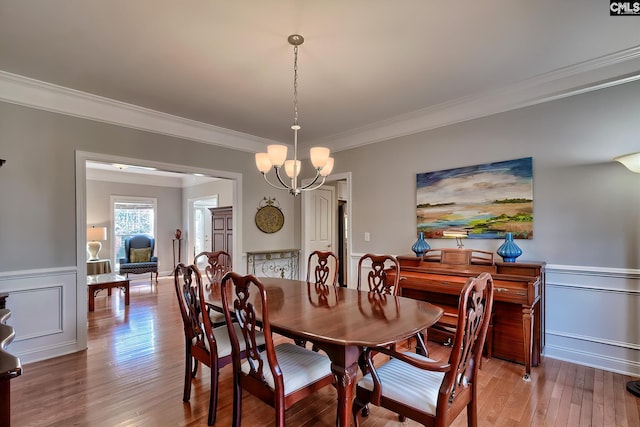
[(421, 245), (509, 251)]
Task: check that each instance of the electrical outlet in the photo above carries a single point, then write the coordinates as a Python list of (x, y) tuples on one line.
[(367, 236)]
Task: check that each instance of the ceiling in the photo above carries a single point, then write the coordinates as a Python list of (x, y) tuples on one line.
[(133, 174), (368, 70)]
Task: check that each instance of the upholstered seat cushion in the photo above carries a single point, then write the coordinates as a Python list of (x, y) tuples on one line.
[(414, 387), (139, 267), (299, 366), (216, 318), (221, 333)]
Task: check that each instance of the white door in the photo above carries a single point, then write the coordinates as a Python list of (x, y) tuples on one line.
[(200, 225), (319, 223)]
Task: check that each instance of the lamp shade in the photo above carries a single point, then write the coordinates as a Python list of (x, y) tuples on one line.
[(288, 167), (277, 154), (319, 156), (262, 162), (631, 161), (97, 233)]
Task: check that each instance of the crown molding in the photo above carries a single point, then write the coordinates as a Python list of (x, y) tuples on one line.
[(600, 73), (33, 93), (606, 71)]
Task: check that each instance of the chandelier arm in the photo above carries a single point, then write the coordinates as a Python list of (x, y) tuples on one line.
[(285, 186), (306, 187), (273, 185)]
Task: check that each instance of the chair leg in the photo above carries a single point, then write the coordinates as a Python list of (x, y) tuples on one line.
[(213, 396), (472, 415), (279, 413), (187, 376), (237, 402), (356, 408)]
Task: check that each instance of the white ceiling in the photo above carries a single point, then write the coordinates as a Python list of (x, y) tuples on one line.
[(369, 69)]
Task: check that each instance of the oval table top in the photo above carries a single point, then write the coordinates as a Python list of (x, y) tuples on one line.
[(338, 315)]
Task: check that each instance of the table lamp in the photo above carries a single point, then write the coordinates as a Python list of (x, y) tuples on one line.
[(94, 235)]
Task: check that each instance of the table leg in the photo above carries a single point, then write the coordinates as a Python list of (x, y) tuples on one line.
[(92, 299), (126, 293), (344, 365)]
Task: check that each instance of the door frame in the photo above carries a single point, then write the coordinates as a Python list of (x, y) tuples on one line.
[(344, 176), (81, 219)]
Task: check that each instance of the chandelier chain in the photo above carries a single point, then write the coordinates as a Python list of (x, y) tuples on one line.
[(295, 85)]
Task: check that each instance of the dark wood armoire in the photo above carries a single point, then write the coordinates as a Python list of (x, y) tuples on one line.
[(222, 229)]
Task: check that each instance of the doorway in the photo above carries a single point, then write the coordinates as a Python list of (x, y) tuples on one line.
[(81, 217), (200, 224), (338, 219)]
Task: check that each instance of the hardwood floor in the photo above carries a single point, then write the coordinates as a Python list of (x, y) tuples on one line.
[(132, 375)]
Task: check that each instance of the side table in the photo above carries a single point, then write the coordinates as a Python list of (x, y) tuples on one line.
[(98, 266), (99, 282)]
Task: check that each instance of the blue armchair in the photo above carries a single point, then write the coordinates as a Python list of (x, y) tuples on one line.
[(139, 257)]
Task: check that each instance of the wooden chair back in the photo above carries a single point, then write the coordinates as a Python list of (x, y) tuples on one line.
[(372, 268), (240, 303), (474, 314), (322, 268), (216, 264), (195, 317)]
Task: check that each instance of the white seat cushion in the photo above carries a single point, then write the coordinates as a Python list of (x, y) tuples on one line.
[(221, 333), (216, 317), (407, 384), (299, 366)]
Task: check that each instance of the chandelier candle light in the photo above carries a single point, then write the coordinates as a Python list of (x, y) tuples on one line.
[(276, 155)]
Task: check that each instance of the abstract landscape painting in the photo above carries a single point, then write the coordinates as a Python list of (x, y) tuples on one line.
[(482, 201)]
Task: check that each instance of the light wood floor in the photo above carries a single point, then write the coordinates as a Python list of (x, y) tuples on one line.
[(132, 375)]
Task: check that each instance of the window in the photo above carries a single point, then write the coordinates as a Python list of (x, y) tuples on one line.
[(131, 216)]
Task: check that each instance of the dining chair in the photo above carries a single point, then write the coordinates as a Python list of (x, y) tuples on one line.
[(281, 375), (444, 330), (216, 265), (203, 343), (431, 392), (375, 267), (322, 268)]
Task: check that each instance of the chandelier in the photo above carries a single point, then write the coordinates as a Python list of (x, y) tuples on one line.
[(276, 155)]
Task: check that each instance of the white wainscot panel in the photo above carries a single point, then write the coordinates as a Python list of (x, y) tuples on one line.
[(593, 317), (43, 312)]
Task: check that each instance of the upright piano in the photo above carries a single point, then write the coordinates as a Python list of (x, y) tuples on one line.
[(518, 316)]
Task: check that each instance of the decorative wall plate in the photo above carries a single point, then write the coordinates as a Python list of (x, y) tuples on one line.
[(269, 217)]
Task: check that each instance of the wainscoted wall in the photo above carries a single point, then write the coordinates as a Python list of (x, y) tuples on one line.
[(592, 316), (43, 306)]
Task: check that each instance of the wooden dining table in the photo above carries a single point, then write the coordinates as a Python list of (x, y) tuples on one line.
[(341, 322)]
